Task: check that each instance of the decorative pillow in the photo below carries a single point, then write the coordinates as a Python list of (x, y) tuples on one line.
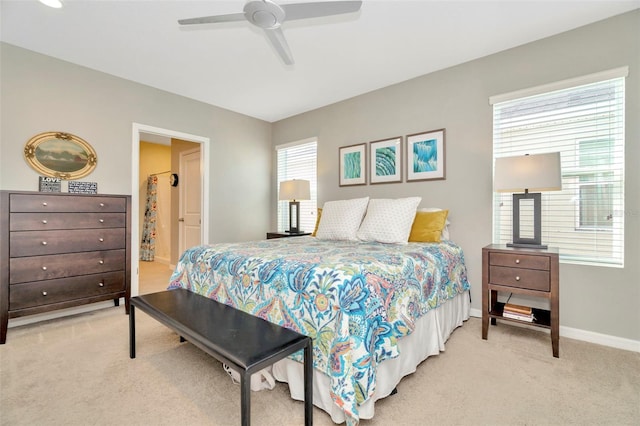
[(389, 221), (318, 216), (428, 226), (341, 219), (445, 230)]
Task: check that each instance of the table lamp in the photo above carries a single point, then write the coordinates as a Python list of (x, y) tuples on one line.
[(294, 190), (539, 172)]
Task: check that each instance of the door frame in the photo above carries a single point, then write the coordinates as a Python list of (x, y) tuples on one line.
[(204, 142)]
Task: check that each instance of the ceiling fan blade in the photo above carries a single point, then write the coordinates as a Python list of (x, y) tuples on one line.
[(232, 17), (317, 9), (276, 36)]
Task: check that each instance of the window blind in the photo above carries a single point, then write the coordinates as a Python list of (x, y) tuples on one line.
[(298, 160), (585, 123)]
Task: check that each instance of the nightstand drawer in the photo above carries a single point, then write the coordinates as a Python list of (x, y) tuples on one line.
[(520, 278), (519, 261)]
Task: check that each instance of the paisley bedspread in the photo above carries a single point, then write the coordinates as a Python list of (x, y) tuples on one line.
[(355, 299)]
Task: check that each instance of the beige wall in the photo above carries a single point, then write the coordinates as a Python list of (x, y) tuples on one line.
[(40, 93), (592, 299)]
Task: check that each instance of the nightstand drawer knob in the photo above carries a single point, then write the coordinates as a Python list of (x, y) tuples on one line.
[(101, 262), (101, 240), (44, 293), (44, 243), (517, 261), (44, 204), (44, 221), (101, 221), (44, 268), (100, 284), (101, 204), (517, 278)]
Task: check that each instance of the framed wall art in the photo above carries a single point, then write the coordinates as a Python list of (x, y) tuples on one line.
[(60, 155), (426, 156), (386, 160), (353, 165)]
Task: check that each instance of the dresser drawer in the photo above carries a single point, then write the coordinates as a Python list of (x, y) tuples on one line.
[(65, 203), (46, 221), (28, 295), (519, 261), (35, 243), (38, 268), (531, 279)]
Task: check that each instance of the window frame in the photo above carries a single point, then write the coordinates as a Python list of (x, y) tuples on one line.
[(536, 127), (308, 208)]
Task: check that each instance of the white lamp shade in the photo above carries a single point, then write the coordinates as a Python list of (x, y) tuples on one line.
[(296, 189), (539, 172)]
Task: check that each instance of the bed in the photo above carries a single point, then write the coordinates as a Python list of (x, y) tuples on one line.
[(374, 310)]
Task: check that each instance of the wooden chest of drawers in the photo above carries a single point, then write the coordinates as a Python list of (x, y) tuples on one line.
[(532, 272), (62, 250)]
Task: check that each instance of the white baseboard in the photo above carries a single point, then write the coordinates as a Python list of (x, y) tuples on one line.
[(17, 322), (572, 333), (585, 336)]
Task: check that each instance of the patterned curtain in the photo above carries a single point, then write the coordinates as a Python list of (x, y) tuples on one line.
[(148, 245)]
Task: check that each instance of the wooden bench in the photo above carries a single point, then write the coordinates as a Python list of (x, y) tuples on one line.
[(244, 342)]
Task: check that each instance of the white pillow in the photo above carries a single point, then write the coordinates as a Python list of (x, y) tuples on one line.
[(445, 230), (389, 221), (341, 219)]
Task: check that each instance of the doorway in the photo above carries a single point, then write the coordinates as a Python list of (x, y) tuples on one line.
[(156, 274)]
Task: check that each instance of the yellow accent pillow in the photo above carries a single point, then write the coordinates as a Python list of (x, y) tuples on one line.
[(317, 222), (427, 226)]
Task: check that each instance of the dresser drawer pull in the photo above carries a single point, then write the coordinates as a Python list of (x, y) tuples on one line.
[(101, 220), (101, 262), (101, 204), (44, 204), (100, 284), (44, 221), (44, 268), (101, 240), (44, 243), (44, 293), (517, 261), (517, 278)]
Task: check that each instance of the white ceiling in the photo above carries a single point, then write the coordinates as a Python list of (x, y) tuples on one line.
[(233, 66)]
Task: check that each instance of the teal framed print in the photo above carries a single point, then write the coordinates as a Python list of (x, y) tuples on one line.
[(386, 160), (353, 165), (426, 156)]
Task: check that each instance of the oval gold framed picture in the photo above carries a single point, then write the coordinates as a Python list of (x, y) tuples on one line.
[(61, 155)]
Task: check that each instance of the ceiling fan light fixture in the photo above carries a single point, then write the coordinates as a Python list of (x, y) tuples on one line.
[(269, 16), (264, 14), (56, 4)]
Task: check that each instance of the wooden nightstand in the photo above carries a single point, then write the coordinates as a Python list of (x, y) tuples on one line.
[(533, 272), (271, 235)]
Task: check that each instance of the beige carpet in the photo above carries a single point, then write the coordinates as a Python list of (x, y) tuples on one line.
[(77, 371)]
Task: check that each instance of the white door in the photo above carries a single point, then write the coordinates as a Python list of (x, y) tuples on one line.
[(190, 200)]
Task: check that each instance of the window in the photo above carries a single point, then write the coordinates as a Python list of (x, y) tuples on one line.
[(298, 160), (583, 119)]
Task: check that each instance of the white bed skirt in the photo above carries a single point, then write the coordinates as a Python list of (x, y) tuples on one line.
[(432, 330)]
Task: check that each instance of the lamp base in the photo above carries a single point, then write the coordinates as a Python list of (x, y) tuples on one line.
[(531, 246)]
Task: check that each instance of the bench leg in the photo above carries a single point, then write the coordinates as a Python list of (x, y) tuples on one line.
[(245, 398), (308, 384), (132, 332)]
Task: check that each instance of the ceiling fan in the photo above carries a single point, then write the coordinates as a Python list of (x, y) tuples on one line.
[(269, 16)]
